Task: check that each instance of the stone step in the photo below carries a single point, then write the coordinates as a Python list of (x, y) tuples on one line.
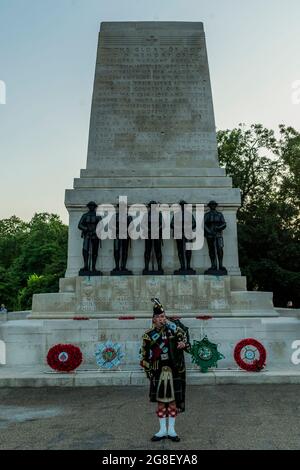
[(45, 377), (154, 182), (226, 197), (151, 171)]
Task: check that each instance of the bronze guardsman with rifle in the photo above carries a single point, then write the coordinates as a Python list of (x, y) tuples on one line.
[(88, 224)]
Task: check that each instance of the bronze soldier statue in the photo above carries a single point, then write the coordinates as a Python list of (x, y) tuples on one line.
[(184, 255), (88, 224), (153, 244), (121, 245), (214, 224)]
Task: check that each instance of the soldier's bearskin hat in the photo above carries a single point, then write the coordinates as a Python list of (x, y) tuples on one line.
[(157, 307)]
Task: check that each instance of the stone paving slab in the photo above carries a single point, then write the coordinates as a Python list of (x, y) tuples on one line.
[(45, 377), (264, 417)]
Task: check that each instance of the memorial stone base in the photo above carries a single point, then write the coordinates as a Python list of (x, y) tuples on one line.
[(89, 311), (28, 341), (184, 296)]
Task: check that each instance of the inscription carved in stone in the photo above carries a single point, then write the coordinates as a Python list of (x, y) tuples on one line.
[(152, 96)]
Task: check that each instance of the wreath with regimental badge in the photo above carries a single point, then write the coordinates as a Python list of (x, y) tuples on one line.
[(64, 357), (109, 354), (205, 354), (250, 355)]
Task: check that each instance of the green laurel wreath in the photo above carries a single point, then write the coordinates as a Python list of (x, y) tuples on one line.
[(205, 354)]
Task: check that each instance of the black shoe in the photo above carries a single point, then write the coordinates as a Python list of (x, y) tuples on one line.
[(174, 438), (157, 438)]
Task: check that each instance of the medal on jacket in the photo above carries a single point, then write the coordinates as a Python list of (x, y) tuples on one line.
[(158, 339)]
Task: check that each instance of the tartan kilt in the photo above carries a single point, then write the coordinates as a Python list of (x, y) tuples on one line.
[(179, 388)]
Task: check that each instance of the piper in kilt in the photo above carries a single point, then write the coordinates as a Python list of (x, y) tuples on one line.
[(163, 361)]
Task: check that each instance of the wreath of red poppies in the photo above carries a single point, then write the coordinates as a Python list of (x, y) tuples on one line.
[(245, 355), (64, 357)]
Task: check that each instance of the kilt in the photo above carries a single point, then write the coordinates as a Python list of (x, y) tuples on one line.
[(179, 381)]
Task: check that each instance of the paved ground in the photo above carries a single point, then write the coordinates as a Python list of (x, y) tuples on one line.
[(217, 417)]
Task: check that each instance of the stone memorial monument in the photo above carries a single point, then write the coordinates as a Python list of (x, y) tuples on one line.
[(152, 137)]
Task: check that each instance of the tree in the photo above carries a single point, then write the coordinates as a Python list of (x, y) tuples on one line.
[(290, 184), (36, 285), (26, 249), (267, 170), (251, 157), (12, 234)]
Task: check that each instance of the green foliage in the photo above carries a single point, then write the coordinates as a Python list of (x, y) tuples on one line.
[(251, 158), (36, 285), (267, 170), (33, 257)]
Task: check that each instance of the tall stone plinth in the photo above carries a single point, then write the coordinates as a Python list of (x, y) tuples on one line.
[(184, 296), (152, 136)]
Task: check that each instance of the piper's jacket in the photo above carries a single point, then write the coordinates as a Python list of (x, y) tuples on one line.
[(153, 344)]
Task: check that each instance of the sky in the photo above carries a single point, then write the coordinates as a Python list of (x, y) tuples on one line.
[(47, 60)]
